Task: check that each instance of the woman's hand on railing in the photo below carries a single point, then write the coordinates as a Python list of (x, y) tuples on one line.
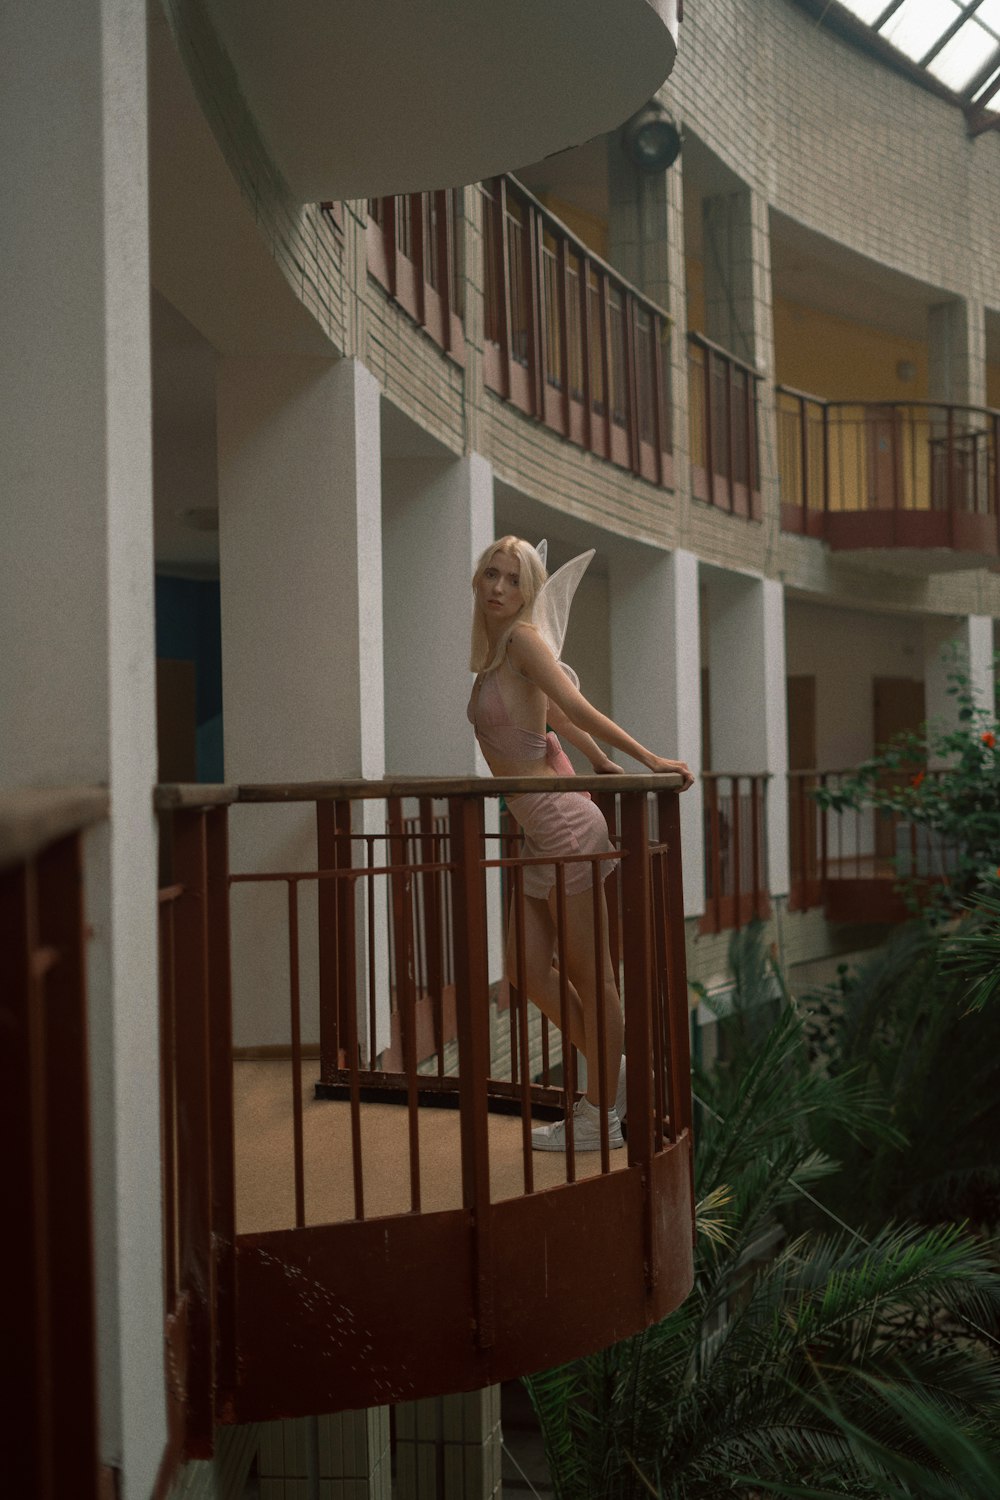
[(662, 767), (605, 766)]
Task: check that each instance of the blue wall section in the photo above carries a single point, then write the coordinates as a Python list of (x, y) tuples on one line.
[(189, 628)]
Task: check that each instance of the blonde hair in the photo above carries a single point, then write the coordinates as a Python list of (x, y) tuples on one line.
[(531, 576)]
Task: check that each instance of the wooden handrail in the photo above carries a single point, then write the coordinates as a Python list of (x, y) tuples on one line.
[(32, 818), (170, 796), (703, 342), (582, 248)]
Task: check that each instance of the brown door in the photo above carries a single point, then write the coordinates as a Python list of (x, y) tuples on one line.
[(898, 707), (883, 431)]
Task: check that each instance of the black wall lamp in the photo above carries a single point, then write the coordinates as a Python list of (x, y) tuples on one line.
[(652, 138)]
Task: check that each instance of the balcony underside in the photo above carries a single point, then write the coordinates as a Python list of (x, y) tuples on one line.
[(917, 542), (401, 1305), (341, 99)]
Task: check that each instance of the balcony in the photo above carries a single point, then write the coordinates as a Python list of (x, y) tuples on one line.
[(411, 251), (725, 466), (372, 1226), (913, 487), (50, 1318), (849, 862), (569, 342), (735, 850)]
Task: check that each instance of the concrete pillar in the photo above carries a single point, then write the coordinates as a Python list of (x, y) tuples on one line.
[(956, 345), (300, 543), (437, 518), (656, 675), (449, 1447), (964, 645), (76, 605), (739, 313), (746, 626), (341, 1457)]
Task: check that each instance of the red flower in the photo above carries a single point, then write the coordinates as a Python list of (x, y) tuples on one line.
[(916, 780), (989, 739)]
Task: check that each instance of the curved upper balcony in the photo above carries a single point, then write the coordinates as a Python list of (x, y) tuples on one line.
[(911, 486), (370, 1224), (316, 76)]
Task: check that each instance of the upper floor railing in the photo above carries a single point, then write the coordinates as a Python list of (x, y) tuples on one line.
[(390, 1229), (569, 341), (49, 1322), (722, 406), (735, 814), (849, 861), (415, 250), (889, 474)]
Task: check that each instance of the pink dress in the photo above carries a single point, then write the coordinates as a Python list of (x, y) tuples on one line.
[(552, 823)]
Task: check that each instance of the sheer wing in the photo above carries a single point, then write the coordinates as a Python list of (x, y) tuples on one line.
[(550, 612)]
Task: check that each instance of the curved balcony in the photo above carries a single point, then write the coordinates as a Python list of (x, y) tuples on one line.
[(909, 486), (425, 102), (364, 1221)]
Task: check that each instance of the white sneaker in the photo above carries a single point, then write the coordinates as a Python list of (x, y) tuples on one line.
[(586, 1131), (621, 1101)]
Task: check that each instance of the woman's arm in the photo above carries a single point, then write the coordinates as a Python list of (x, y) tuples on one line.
[(532, 658), (567, 730)]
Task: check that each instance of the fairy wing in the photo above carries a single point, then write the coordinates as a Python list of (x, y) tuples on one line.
[(550, 612)]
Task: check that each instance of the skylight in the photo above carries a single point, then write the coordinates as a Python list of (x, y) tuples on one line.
[(956, 41)]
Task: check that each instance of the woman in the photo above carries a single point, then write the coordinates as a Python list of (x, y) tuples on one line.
[(521, 687)]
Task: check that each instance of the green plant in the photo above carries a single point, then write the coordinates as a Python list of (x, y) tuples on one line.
[(727, 1394), (958, 807)]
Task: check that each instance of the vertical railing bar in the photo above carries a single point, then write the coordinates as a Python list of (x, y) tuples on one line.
[(636, 912), (353, 1054), (569, 1050), (737, 852), (401, 901), (168, 1101), (520, 970), (471, 978), (432, 921), (327, 901), (597, 891), (220, 1026), (678, 1012), (370, 935), (293, 969)]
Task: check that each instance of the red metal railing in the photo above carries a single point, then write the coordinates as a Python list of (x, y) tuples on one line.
[(571, 342), (857, 847), (722, 404), (49, 1318), (424, 1232), (889, 474), (735, 850), (414, 250)]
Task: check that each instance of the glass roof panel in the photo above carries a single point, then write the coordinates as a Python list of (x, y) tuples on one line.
[(963, 57), (989, 14), (865, 10), (917, 25)]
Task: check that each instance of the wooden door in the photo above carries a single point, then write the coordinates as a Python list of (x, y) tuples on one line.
[(883, 431)]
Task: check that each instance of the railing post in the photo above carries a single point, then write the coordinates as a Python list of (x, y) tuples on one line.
[(194, 1145), (638, 1001), (655, 361), (706, 366), (220, 1062), (804, 460), (503, 283), (678, 1012), (734, 782), (327, 898), (471, 987), (631, 372), (562, 274), (585, 349)]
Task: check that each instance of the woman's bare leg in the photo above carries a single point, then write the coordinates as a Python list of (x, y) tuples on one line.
[(541, 977), (594, 987)]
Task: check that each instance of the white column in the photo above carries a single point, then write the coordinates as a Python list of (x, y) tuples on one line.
[(437, 517), (748, 703), (76, 604), (956, 346), (965, 645), (300, 540), (656, 677)]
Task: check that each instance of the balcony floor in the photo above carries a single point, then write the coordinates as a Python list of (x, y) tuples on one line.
[(264, 1161)]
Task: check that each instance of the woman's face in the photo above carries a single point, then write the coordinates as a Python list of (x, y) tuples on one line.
[(499, 588)]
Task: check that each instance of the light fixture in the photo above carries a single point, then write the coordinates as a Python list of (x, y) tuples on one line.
[(652, 138)]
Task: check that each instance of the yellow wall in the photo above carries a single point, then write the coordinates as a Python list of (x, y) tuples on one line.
[(831, 357), (587, 227)]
